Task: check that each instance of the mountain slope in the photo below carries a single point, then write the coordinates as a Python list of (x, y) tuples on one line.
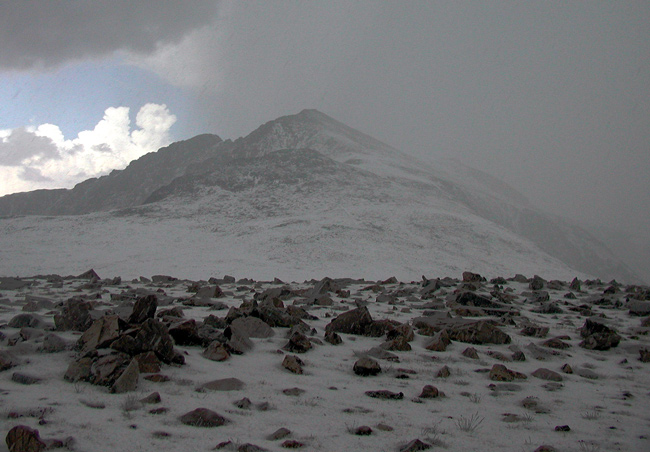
[(307, 192), (120, 188)]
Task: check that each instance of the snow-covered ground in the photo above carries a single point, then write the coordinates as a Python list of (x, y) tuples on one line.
[(606, 409)]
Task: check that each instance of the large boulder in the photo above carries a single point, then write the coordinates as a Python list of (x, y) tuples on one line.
[(356, 321), (144, 308), (598, 336), (252, 327), (101, 333), (154, 336)]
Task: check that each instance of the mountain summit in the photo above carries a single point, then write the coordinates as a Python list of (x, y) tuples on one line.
[(301, 196)]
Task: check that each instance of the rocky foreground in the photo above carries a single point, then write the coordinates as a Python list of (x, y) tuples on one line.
[(518, 364)]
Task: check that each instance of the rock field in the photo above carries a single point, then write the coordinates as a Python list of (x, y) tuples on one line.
[(516, 364)]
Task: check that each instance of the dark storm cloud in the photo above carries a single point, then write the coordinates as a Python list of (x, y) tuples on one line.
[(37, 34)]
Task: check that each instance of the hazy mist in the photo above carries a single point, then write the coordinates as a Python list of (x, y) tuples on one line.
[(551, 97)]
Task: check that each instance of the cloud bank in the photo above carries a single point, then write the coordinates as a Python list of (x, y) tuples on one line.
[(37, 157), (36, 34)]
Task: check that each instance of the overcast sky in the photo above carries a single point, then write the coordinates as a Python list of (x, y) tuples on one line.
[(552, 97)]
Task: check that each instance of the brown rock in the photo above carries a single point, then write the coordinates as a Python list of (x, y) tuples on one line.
[(399, 344), (444, 372), (101, 333), (148, 362), (144, 308), (535, 331), (429, 392), (24, 439), (470, 352), (216, 351), (293, 364), (298, 343), (598, 336), (499, 372), (556, 343), (566, 368), (439, 342), (366, 366)]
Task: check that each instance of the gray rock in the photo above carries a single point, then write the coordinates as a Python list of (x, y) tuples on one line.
[(53, 344), (24, 379), (144, 308), (385, 395), (252, 327), (128, 380), (203, 417), (547, 374), (7, 360), (26, 321), (224, 384)]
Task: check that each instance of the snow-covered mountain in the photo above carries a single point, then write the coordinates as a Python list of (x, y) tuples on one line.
[(302, 196)]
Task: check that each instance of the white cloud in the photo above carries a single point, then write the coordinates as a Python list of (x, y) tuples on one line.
[(40, 157)]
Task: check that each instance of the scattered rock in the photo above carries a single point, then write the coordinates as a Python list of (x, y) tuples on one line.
[(203, 417), (470, 352), (439, 342), (366, 366), (499, 372), (101, 333), (562, 428), (75, 315), (597, 336), (298, 343), (252, 327), (24, 439), (644, 355), (216, 351), (53, 344), (279, 434), (429, 392), (293, 364), (546, 374), (128, 380), (385, 395), (24, 379), (151, 399), (363, 430), (224, 384), (144, 308), (7, 360), (414, 446), (444, 372)]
